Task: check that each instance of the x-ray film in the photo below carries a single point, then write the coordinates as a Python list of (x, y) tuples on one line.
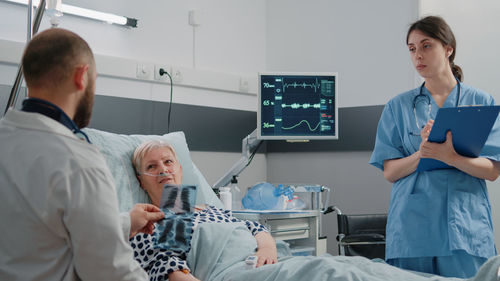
[(178, 198), (174, 232)]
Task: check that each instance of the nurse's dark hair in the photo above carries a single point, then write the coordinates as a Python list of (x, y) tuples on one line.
[(437, 28), (50, 57)]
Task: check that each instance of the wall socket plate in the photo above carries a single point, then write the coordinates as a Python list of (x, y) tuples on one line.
[(163, 77), (177, 75), (144, 70), (244, 85)]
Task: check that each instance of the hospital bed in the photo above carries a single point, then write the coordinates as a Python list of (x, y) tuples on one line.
[(118, 149), (219, 250)]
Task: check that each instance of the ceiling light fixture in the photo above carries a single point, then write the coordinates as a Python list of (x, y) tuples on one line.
[(88, 13)]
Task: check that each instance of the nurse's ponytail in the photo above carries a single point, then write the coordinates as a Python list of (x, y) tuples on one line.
[(457, 71), (437, 28)]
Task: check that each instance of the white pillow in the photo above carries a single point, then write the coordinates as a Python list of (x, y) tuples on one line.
[(117, 149)]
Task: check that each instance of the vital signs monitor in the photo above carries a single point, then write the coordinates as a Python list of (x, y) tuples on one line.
[(297, 106)]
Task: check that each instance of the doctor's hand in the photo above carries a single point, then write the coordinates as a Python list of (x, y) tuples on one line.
[(181, 276), (143, 217), (444, 152)]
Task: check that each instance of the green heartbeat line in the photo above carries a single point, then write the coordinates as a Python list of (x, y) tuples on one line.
[(315, 85), (308, 125)]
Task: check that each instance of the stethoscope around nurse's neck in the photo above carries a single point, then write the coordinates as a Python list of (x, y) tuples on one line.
[(420, 94)]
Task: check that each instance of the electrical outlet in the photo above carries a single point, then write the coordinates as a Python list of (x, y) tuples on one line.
[(163, 77), (144, 70), (177, 75)]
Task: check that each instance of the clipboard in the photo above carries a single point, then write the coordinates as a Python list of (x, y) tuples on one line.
[(470, 127)]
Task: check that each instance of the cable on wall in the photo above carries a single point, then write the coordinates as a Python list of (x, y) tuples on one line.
[(162, 71)]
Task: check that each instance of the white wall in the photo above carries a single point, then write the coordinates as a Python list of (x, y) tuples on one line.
[(364, 41), (230, 39), (475, 25)]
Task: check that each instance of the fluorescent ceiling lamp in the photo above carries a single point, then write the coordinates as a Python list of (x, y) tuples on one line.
[(87, 13)]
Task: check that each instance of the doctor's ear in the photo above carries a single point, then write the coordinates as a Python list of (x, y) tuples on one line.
[(80, 76)]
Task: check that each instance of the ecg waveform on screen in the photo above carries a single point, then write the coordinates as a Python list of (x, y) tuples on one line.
[(303, 121), (316, 85), (298, 105), (325, 86)]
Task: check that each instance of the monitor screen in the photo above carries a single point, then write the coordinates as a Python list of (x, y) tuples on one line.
[(297, 106)]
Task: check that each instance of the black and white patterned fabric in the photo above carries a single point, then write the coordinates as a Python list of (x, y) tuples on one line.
[(158, 263)]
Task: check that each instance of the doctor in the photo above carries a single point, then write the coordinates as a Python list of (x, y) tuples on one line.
[(439, 221), (58, 205)]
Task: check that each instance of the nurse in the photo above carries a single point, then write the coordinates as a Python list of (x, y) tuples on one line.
[(438, 221)]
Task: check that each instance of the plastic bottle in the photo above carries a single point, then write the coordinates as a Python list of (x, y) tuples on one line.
[(225, 197), (236, 194)]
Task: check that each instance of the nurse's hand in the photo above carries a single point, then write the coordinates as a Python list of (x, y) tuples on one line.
[(426, 130), (143, 217), (424, 134), (443, 152)]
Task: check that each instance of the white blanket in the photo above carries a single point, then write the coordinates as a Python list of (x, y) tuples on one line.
[(219, 250)]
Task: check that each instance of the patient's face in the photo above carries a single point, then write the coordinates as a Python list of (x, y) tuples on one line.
[(159, 167)]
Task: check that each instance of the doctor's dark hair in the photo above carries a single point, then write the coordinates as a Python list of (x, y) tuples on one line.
[(437, 28), (50, 57)]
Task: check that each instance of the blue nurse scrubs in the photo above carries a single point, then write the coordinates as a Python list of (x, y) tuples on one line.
[(441, 212)]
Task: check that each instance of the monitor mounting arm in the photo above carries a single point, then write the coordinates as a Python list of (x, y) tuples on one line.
[(248, 146)]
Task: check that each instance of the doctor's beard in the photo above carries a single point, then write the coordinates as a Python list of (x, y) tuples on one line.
[(84, 108)]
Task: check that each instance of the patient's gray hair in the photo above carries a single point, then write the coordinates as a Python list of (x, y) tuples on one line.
[(144, 148)]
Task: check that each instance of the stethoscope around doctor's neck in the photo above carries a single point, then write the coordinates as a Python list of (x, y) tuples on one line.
[(420, 95)]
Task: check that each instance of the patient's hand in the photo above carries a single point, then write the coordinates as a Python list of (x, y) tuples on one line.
[(266, 256), (143, 217), (181, 276), (266, 253)]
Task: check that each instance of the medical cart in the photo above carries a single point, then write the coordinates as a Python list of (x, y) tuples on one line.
[(301, 229)]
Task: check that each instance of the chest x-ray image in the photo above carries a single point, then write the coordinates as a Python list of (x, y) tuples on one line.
[(174, 231), (178, 198)]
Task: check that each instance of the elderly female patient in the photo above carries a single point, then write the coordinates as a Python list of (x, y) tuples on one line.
[(230, 243), (156, 164)]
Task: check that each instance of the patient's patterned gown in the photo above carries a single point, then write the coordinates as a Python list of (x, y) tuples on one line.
[(158, 263)]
